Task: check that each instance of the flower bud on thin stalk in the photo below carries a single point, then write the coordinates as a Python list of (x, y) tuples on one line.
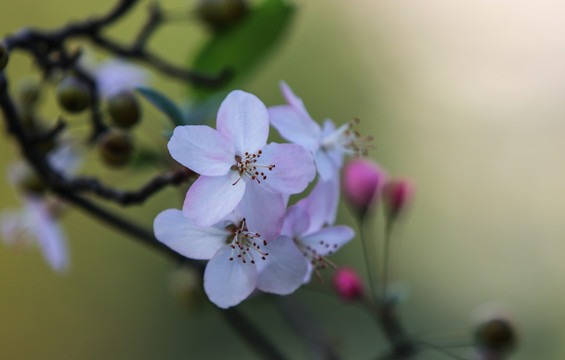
[(397, 195), (362, 183), (348, 284)]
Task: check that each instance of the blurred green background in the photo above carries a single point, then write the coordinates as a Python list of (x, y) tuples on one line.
[(465, 98)]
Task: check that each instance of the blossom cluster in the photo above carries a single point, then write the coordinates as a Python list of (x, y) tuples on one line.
[(237, 213)]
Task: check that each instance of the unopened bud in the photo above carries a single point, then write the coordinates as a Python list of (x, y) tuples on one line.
[(496, 336), (186, 286), (348, 284), (362, 182), (115, 148), (72, 94), (29, 91), (124, 109), (219, 14), (3, 57), (397, 194)]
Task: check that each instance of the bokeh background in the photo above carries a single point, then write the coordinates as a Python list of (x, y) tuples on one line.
[(465, 98)]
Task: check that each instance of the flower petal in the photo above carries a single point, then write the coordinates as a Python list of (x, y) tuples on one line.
[(284, 269), (293, 171), (327, 241), (202, 149), (227, 283), (326, 167), (173, 229), (243, 118), (211, 198), (296, 221), (321, 204), (295, 127), (263, 211), (49, 234)]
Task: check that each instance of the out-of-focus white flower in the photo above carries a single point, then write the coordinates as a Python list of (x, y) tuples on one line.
[(115, 75), (36, 224)]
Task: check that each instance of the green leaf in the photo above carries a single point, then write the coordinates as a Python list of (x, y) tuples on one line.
[(244, 45), (163, 103)]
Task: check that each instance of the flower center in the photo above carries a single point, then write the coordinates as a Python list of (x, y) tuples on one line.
[(245, 245), (248, 166), (318, 261), (348, 140)]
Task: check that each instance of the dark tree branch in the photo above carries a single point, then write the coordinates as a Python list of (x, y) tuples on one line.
[(307, 328), (138, 196), (251, 335)]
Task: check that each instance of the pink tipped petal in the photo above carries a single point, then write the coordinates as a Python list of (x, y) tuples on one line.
[(295, 127), (49, 236), (326, 167), (173, 229), (227, 283), (202, 150), (293, 171), (285, 268), (243, 118), (327, 241), (296, 221), (211, 198), (263, 211), (321, 204)]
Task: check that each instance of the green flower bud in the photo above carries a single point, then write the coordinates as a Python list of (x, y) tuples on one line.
[(496, 336), (72, 94), (3, 57), (115, 148), (219, 14), (29, 91), (187, 288), (124, 109)]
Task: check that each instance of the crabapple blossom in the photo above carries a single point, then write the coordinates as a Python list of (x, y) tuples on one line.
[(235, 155), (236, 246), (114, 76), (327, 144), (304, 224)]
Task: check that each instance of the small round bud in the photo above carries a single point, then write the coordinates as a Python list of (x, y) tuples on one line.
[(348, 284), (397, 194), (219, 14), (496, 336), (124, 110), (72, 94), (29, 91), (3, 57), (186, 286), (115, 148), (362, 183)]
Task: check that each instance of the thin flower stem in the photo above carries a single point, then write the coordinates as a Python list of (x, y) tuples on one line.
[(441, 349), (386, 258), (362, 229)]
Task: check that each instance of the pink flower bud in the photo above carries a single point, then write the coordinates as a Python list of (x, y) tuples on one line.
[(396, 196), (362, 182), (348, 284)]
